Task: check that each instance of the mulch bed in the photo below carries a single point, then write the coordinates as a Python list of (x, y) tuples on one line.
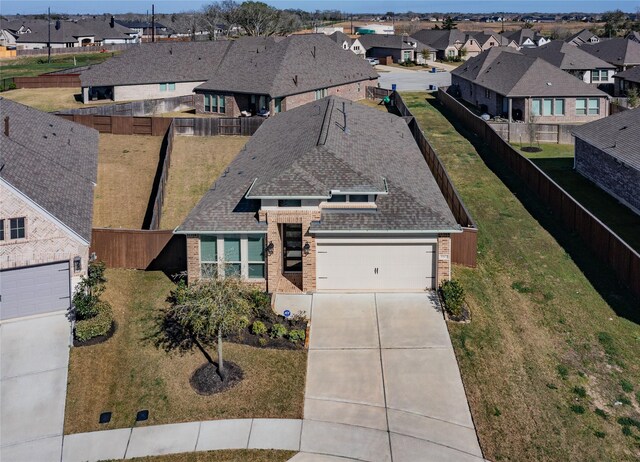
[(206, 380), (531, 149), (246, 337), (95, 340)]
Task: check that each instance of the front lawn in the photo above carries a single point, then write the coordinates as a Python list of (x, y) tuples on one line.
[(556, 160), (196, 162), (128, 373), (550, 359), (127, 165), (245, 455), (36, 65)]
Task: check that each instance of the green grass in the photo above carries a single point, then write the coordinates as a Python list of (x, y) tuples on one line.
[(36, 65), (540, 304), (556, 160), (246, 455), (128, 373)]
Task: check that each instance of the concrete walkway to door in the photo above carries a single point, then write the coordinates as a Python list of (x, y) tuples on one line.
[(383, 383)]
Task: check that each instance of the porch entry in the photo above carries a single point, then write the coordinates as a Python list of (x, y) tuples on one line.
[(292, 247)]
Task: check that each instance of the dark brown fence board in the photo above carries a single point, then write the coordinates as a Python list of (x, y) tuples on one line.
[(607, 246), (48, 81)]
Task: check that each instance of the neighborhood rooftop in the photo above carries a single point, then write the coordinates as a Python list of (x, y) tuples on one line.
[(296, 64), (403, 42), (66, 31), (52, 161), (630, 75), (617, 51), (566, 56), (368, 151), (617, 135), (513, 74)]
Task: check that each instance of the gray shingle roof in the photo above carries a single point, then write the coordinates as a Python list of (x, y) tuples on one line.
[(158, 62), (340, 38), (617, 51), (630, 75), (580, 37), (521, 35), (52, 161), (306, 152), (513, 74), (567, 57), (296, 64), (617, 135), (397, 42), (69, 31), (440, 39)]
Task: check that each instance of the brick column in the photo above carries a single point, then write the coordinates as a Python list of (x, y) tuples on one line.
[(193, 257), (274, 261), (309, 261), (444, 259)]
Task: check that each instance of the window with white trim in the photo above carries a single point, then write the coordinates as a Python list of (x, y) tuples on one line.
[(600, 75), (17, 228), (547, 106), (214, 103), (232, 256), (255, 257), (168, 86), (587, 106), (322, 93), (208, 256)]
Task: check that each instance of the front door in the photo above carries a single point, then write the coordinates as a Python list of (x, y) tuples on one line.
[(292, 247)]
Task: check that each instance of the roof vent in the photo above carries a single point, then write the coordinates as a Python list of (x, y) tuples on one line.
[(295, 79), (6, 126), (549, 84)]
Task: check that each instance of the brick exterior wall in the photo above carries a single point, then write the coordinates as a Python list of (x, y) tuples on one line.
[(619, 180), (193, 257), (475, 94), (235, 103), (45, 240), (443, 265)]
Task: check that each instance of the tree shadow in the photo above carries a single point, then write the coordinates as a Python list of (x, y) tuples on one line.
[(603, 279)]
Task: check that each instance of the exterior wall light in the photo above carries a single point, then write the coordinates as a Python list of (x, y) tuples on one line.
[(306, 248), (269, 248), (77, 264)]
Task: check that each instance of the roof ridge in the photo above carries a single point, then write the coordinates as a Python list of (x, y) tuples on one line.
[(287, 46), (326, 122)]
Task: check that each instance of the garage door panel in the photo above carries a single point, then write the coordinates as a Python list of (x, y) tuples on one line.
[(34, 290), (352, 266)]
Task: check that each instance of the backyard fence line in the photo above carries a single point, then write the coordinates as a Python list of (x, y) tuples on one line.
[(122, 125), (212, 126), (599, 238), (160, 182), (48, 81), (377, 92), (464, 246), (141, 249), (148, 107), (76, 50)]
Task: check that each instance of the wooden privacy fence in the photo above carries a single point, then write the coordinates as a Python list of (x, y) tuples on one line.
[(140, 249), (147, 107), (48, 81), (464, 247), (122, 125), (212, 126), (601, 240), (77, 50), (378, 93), (160, 182)]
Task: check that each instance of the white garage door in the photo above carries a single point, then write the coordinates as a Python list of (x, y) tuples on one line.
[(382, 266), (34, 290)]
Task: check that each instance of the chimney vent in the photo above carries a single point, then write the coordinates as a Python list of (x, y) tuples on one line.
[(112, 23), (58, 24), (6, 126)]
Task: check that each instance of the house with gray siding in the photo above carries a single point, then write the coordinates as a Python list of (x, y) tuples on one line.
[(607, 153), (505, 83), (48, 171)]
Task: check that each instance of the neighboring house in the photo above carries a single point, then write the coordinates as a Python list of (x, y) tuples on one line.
[(526, 38), (39, 34), (622, 53), (401, 48), (48, 171), (504, 82), (154, 70), (328, 30), (607, 153), (283, 74), (348, 43), (490, 39), (144, 29), (449, 44), (250, 75), (582, 37), (332, 195), (627, 80), (375, 29), (576, 62)]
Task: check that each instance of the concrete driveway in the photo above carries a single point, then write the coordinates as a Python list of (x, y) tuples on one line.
[(33, 377), (408, 80), (383, 383)]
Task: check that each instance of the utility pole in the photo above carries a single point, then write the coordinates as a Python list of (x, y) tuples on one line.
[(153, 23), (49, 39)]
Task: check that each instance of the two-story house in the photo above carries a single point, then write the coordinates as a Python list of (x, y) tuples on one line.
[(332, 195), (348, 43)]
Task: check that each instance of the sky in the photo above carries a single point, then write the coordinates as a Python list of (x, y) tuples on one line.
[(347, 6)]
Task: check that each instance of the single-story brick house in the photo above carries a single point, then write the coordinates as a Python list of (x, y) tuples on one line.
[(286, 73), (607, 152), (504, 82), (332, 195), (49, 170), (401, 48), (449, 44)]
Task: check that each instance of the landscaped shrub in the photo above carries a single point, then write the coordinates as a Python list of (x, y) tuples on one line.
[(243, 322), (260, 303), (98, 325), (258, 328), (278, 331), (86, 297), (453, 295), (296, 335)]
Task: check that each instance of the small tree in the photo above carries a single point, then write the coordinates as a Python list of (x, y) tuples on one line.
[(633, 97), (202, 313), (449, 23), (86, 296)]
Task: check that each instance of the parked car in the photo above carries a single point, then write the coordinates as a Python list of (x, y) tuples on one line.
[(373, 61)]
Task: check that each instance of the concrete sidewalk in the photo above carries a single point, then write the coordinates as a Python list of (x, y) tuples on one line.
[(33, 373)]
